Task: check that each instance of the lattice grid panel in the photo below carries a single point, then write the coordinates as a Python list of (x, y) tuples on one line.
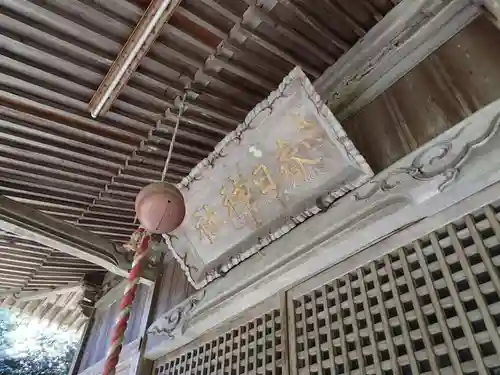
[(432, 307), (253, 348)]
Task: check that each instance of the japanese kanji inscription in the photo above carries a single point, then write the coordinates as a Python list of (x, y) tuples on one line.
[(273, 168)]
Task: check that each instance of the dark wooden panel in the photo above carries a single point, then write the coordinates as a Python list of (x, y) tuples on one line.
[(372, 126), (472, 61), (425, 105), (142, 3), (175, 288), (452, 83)]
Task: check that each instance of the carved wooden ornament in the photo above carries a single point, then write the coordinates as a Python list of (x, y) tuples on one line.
[(286, 162)]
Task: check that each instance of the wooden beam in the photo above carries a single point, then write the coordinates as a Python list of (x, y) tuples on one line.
[(493, 6), (37, 295), (28, 223), (77, 359), (137, 46), (400, 41)]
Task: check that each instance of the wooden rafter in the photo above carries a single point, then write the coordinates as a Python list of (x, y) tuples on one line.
[(29, 223), (138, 44)]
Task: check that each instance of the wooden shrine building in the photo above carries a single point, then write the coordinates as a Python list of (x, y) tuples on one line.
[(384, 259)]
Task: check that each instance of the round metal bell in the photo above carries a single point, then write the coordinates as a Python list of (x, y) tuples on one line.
[(160, 207)]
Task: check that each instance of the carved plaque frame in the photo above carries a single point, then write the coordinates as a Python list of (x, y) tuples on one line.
[(325, 142)]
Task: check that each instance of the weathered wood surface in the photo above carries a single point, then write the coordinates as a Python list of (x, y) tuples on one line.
[(409, 33), (253, 343), (129, 361), (104, 320), (492, 7), (452, 167), (26, 222), (137, 46), (461, 77), (458, 79), (327, 311), (393, 299), (174, 289), (60, 308), (289, 159)]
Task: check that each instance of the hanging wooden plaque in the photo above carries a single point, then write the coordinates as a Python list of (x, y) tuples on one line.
[(289, 160)]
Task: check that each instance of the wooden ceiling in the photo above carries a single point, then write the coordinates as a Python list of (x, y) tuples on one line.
[(53, 56)]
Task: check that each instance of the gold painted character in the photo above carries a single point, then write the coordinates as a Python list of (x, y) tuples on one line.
[(239, 202), (227, 202), (291, 163), (206, 223), (312, 136), (263, 180)]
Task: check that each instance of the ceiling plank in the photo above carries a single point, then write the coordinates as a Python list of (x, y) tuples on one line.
[(41, 294), (136, 47)]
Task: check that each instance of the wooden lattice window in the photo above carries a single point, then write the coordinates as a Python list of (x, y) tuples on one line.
[(253, 348), (431, 307)]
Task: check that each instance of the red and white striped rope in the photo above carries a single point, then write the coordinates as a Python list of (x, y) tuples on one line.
[(118, 336)]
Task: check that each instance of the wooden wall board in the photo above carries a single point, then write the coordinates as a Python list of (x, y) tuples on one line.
[(455, 81), (104, 321)]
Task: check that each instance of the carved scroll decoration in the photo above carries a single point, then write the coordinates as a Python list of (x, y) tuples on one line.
[(437, 160), (174, 321)]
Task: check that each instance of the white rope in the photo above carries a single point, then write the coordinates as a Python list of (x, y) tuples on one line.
[(172, 141)]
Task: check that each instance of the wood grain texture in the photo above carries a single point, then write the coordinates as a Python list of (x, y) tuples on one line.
[(175, 288), (289, 158), (399, 42), (459, 164), (105, 317), (455, 81), (368, 128), (253, 343), (428, 307)]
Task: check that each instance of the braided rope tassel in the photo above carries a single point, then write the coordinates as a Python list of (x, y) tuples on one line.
[(142, 238)]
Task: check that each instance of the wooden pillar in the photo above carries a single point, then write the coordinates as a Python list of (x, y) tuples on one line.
[(144, 365), (92, 284), (77, 360)]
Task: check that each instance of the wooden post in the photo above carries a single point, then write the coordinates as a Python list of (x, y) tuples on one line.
[(118, 336), (77, 360), (145, 366)]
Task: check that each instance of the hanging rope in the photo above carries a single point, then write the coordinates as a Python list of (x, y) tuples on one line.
[(140, 240), (172, 141), (139, 243)]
